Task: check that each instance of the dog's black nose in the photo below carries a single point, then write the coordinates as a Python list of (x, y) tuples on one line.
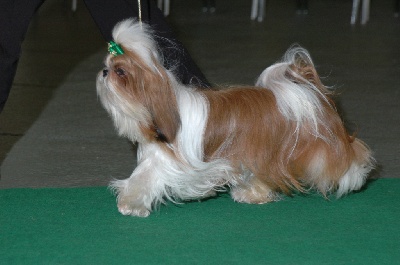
[(105, 72)]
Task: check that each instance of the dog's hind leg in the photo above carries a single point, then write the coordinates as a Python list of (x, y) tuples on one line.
[(357, 174), (342, 172), (253, 191)]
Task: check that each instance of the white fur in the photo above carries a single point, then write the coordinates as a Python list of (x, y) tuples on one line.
[(193, 109), (126, 117), (353, 179), (141, 42), (159, 176)]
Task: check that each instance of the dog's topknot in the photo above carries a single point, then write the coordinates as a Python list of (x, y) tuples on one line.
[(136, 37)]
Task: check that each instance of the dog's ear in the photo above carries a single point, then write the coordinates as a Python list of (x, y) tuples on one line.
[(160, 99)]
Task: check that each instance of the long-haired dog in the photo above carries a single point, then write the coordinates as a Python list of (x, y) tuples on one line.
[(282, 134)]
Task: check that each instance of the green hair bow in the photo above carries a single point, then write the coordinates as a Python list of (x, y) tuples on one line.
[(114, 48)]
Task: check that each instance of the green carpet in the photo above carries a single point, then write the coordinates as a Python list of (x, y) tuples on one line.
[(82, 226)]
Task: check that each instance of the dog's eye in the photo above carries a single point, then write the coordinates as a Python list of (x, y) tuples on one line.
[(120, 72)]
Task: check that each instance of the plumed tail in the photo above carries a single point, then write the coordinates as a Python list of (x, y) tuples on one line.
[(298, 90)]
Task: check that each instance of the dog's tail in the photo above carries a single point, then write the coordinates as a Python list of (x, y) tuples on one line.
[(299, 92)]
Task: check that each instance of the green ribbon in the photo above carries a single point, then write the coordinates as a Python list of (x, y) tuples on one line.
[(114, 48)]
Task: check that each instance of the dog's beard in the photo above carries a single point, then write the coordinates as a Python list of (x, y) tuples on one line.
[(128, 116)]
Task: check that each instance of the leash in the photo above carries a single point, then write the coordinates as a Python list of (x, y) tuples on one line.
[(140, 13)]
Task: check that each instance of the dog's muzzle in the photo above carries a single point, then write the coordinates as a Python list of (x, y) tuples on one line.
[(105, 72)]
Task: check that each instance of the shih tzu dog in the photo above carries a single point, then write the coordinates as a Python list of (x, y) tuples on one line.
[(282, 134)]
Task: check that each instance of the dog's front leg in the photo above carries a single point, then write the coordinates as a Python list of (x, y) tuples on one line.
[(133, 194), (143, 189)]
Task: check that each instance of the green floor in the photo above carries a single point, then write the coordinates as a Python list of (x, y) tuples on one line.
[(82, 226)]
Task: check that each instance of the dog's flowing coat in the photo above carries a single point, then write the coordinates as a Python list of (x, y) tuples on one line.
[(282, 134)]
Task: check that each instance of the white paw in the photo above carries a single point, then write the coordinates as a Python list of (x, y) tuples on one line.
[(253, 196), (126, 209), (211, 193)]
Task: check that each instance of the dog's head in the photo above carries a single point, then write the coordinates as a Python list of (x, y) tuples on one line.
[(135, 88)]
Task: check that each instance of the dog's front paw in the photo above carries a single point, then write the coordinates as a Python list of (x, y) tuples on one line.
[(133, 210), (131, 198), (127, 209)]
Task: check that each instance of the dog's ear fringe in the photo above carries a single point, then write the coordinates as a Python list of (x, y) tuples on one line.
[(161, 102)]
